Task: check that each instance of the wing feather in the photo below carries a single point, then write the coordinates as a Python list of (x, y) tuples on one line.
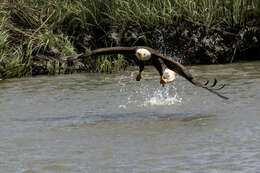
[(102, 51), (110, 51)]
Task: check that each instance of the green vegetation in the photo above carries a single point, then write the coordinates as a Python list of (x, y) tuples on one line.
[(109, 63), (63, 27)]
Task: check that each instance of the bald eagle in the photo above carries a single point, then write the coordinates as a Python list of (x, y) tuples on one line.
[(165, 65)]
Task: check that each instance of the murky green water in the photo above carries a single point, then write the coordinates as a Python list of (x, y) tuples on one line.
[(111, 123)]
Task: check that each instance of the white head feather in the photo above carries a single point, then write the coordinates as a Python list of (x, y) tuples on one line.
[(143, 54)]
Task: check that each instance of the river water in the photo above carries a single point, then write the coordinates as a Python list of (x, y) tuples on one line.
[(87, 123)]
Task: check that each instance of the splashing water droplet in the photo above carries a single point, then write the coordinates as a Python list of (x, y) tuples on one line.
[(146, 96), (162, 96)]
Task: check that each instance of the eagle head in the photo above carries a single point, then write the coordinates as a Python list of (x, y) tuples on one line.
[(143, 54)]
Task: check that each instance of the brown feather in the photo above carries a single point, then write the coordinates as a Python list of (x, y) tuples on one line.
[(110, 51)]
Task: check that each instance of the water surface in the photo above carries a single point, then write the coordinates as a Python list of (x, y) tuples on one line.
[(111, 123)]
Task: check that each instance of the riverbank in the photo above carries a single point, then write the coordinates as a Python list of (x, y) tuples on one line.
[(36, 34)]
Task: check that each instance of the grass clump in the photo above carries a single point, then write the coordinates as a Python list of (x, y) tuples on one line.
[(3, 43), (57, 44), (109, 64)]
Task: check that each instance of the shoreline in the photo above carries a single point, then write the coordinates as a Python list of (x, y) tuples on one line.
[(33, 39)]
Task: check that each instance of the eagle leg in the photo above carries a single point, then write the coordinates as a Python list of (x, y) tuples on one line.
[(139, 76), (141, 69)]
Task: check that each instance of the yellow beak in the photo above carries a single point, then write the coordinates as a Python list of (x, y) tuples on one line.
[(141, 55)]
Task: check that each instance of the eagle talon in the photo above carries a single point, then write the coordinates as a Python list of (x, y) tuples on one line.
[(162, 82), (138, 77)]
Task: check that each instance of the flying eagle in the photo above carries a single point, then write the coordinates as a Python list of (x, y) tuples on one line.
[(165, 65)]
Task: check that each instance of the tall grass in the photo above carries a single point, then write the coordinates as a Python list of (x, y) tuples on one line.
[(59, 27), (3, 43), (153, 12), (110, 64), (75, 14)]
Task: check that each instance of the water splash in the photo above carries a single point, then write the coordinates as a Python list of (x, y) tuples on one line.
[(163, 96), (145, 96)]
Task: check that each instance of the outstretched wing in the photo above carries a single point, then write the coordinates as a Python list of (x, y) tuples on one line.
[(102, 51), (182, 71), (110, 51)]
